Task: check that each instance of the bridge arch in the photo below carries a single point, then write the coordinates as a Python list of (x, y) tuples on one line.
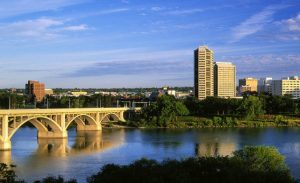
[(81, 124), (114, 116), (52, 126)]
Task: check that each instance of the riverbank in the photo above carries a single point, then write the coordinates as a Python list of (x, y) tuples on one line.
[(215, 122), (251, 164)]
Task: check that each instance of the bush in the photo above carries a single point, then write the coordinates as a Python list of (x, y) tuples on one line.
[(279, 120), (249, 165), (58, 179)]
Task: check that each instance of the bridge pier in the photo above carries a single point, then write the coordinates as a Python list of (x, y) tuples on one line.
[(53, 135), (5, 145), (89, 128)]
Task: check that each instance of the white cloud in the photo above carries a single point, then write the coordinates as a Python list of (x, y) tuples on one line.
[(31, 28), (185, 12), (76, 27), (255, 23), (19, 7), (41, 28), (157, 8), (293, 24), (274, 65)]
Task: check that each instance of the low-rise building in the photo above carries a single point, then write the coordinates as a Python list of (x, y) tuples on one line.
[(287, 86), (265, 85), (78, 93), (248, 85), (49, 92)]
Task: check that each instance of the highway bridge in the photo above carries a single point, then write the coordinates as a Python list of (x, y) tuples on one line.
[(53, 123)]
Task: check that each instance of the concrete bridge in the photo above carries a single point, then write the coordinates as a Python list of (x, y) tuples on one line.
[(53, 123)]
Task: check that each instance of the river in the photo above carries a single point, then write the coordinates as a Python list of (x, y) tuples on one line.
[(83, 154)]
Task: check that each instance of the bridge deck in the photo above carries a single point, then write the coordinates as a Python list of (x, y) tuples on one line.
[(62, 110)]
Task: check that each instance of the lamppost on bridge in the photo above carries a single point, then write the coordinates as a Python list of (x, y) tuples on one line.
[(69, 102), (9, 101)]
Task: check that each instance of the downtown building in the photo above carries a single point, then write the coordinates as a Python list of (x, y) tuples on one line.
[(203, 72), (35, 91), (287, 86), (224, 80), (248, 85), (265, 85)]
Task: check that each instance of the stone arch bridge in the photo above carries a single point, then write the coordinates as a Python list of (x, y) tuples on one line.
[(53, 123)]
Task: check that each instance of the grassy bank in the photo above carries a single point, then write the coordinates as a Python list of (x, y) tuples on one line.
[(219, 121)]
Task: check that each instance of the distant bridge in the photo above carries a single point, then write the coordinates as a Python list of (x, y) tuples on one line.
[(53, 123)]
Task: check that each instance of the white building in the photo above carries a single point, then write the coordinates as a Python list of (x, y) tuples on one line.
[(287, 86), (265, 85)]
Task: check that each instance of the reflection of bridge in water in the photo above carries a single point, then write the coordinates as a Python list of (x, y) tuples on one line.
[(53, 123), (85, 142)]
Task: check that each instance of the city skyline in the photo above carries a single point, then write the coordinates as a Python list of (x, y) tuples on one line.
[(129, 43)]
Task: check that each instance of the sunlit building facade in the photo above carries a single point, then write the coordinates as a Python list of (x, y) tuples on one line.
[(203, 72), (224, 79), (248, 85), (287, 86), (35, 90)]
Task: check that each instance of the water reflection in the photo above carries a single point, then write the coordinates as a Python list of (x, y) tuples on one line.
[(84, 153), (215, 142), (85, 143)]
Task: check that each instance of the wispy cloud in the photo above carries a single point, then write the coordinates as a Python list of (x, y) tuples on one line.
[(293, 24), (185, 12), (157, 8), (273, 65), (41, 28), (131, 67), (255, 23), (81, 27), (19, 7)]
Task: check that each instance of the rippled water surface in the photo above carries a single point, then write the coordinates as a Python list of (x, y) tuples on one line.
[(83, 154)]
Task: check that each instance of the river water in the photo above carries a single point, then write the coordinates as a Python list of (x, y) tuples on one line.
[(83, 154)]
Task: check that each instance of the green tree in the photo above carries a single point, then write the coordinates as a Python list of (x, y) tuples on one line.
[(251, 107), (261, 158), (165, 110)]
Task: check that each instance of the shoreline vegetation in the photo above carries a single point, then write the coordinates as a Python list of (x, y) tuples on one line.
[(216, 122), (251, 111), (254, 164)]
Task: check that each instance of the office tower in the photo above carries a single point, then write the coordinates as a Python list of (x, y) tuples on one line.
[(287, 86), (265, 85), (203, 73), (248, 85), (35, 90), (224, 79)]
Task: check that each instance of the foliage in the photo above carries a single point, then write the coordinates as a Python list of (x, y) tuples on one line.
[(7, 174), (58, 179), (164, 111), (260, 158), (249, 165), (251, 107), (16, 101)]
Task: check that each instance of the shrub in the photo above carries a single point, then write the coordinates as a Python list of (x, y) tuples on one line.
[(249, 165)]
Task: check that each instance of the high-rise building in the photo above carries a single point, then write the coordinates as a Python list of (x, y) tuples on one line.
[(35, 90), (248, 85), (265, 85), (287, 86), (224, 79), (203, 72)]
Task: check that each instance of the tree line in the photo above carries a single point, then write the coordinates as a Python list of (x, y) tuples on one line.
[(252, 164)]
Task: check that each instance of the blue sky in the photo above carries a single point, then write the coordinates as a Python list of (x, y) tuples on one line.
[(143, 43)]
